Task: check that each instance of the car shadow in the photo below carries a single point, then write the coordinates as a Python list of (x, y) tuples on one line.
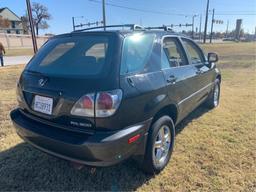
[(198, 112), (24, 168)]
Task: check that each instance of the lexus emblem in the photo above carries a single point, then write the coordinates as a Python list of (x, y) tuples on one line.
[(42, 82)]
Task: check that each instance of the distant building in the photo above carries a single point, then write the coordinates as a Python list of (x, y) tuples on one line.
[(15, 24), (238, 29)]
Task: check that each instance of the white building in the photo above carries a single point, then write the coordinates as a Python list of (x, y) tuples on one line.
[(15, 26)]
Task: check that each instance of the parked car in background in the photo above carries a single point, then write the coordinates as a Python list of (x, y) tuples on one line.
[(100, 97)]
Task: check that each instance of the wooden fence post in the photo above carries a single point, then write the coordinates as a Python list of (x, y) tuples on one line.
[(21, 41), (7, 40)]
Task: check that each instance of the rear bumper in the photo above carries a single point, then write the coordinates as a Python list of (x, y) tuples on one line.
[(102, 148)]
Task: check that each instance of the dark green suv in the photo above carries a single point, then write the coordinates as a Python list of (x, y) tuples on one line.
[(99, 97)]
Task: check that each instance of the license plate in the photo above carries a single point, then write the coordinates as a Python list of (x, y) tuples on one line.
[(43, 104)]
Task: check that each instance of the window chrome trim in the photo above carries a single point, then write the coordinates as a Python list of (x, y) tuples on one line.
[(197, 46), (195, 93), (182, 47), (146, 63)]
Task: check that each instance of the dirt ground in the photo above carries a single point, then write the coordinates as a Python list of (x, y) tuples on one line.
[(214, 151)]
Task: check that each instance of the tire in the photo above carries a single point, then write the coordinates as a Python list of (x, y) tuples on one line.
[(152, 163), (214, 97)]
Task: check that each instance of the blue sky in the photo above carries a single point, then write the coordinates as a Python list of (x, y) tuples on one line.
[(63, 10)]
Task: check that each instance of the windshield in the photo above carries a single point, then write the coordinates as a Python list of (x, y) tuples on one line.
[(76, 55)]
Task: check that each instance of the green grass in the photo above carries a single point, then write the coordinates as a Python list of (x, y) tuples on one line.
[(214, 150)]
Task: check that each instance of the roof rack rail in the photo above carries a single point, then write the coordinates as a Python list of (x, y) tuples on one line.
[(131, 26), (164, 27)]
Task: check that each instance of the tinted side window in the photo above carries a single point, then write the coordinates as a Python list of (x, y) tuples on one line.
[(137, 49), (194, 52), (173, 51), (165, 61)]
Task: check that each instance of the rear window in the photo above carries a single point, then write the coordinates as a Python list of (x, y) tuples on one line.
[(137, 49), (77, 55)]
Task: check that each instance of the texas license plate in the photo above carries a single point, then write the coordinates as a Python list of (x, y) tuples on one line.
[(43, 104)]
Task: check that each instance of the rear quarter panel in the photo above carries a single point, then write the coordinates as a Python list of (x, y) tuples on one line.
[(141, 101)]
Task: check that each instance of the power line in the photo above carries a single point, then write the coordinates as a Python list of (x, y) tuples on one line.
[(233, 13), (225, 12), (140, 10)]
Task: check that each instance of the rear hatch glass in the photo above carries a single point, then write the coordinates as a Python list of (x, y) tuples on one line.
[(73, 56), (64, 69)]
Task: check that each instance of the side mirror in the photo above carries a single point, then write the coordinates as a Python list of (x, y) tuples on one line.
[(212, 58)]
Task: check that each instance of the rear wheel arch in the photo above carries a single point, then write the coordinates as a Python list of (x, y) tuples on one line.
[(219, 78), (169, 110), (149, 162)]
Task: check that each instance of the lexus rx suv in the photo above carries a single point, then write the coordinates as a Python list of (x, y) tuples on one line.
[(97, 97)]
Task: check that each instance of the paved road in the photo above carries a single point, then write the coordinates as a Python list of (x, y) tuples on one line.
[(15, 60)]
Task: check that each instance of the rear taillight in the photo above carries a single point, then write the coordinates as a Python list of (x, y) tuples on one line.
[(84, 106), (18, 93), (102, 104), (107, 103)]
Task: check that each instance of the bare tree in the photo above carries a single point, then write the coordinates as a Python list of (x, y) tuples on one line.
[(25, 24), (4, 23), (40, 17)]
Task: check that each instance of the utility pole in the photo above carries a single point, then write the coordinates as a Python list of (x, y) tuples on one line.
[(104, 14), (141, 22), (212, 25), (33, 34), (206, 21), (89, 24), (73, 21), (75, 26), (192, 25), (200, 28), (193, 22)]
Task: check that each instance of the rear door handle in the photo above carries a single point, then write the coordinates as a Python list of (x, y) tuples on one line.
[(130, 81), (172, 79)]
